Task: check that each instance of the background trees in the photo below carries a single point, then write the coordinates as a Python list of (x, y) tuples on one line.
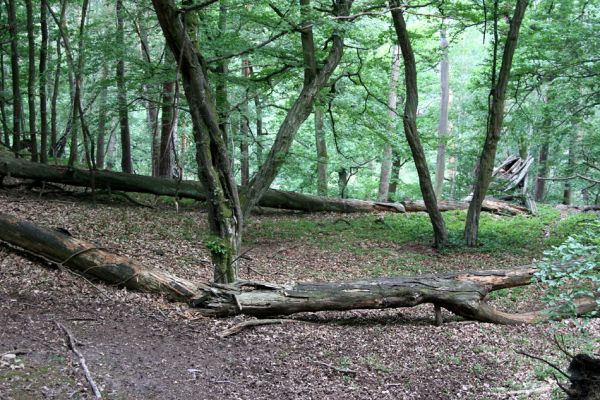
[(272, 65)]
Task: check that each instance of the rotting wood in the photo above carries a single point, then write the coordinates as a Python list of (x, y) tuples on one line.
[(463, 293), (116, 181), (254, 322)]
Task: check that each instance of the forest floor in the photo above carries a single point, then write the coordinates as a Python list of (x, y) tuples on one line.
[(139, 346)]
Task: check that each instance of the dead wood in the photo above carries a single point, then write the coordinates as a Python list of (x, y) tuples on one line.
[(254, 322), (116, 181), (463, 293)]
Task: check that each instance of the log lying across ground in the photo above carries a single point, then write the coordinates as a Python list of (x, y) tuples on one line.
[(116, 181), (463, 293)]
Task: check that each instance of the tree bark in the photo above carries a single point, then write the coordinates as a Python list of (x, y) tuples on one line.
[(410, 126), (463, 293), (102, 119), (54, 102), (168, 121), (214, 170), (386, 163), (126, 162), (31, 78), (195, 190), (16, 85), (540, 183), (440, 166), (568, 192), (244, 129), (495, 117), (5, 129), (395, 175), (43, 68)]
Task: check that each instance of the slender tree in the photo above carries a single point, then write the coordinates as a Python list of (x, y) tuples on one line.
[(440, 166), (31, 78), (16, 85), (410, 126), (102, 119), (168, 120), (244, 129), (126, 162), (386, 163), (494, 125), (43, 68), (54, 101)]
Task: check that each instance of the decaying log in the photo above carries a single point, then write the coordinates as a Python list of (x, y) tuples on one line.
[(116, 181), (463, 293), (494, 206)]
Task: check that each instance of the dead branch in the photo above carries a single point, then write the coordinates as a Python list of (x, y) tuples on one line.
[(254, 322)]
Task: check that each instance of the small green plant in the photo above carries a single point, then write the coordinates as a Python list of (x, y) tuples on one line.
[(216, 245), (570, 270)]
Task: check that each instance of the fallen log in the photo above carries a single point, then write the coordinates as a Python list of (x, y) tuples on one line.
[(463, 293), (117, 181)]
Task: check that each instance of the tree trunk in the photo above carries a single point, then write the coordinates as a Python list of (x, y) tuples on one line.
[(440, 166), (386, 163), (463, 293), (222, 67), (568, 192), (260, 133), (410, 126), (31, 82), (43, 83), (110, 150), (244, 129), (126, 162), (540, 183), (214, 170), (495, 117), (54, 103), (322, 157), (5, 129), (168, 121), (102, 119), (16, 85), (395, 177)]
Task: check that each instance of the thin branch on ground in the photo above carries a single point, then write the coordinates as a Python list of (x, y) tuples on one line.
[(86, 371), (254, 322), (338, 369)]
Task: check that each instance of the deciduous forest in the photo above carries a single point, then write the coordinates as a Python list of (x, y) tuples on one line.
[(225, 199)]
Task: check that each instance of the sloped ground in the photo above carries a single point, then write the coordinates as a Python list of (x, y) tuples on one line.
[(141, 347)]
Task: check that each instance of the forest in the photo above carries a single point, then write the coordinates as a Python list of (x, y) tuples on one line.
[(300, 199)]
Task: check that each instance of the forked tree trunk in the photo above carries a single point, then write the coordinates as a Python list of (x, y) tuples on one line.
[(495, 117), (386, 163), (410, 126), (440, 165), (463, 293)]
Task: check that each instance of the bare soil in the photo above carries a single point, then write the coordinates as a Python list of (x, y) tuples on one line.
[(142, 347)]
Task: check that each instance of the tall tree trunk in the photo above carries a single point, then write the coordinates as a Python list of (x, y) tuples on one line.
[(568, 192), (244, 130), (54, 102), (16, 85), (495, 117), (310, 73), (540, 183), (43, 83), (260, 133), (126, 162), (440, 166), (224, 211), (31, 82), (386, 163), (168, 121), (151, 107), (5, 129), (222, 68), (410, 126), (102, 119), (110, 150)]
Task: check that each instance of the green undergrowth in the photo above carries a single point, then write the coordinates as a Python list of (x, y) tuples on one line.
[(519, 235)]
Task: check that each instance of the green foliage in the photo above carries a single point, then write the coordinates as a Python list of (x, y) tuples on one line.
[(571, 269), (216, 245)]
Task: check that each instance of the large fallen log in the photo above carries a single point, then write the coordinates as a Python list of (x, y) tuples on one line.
[(116, 181), (463, 293)]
